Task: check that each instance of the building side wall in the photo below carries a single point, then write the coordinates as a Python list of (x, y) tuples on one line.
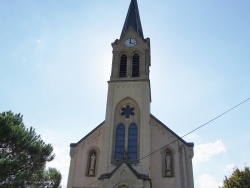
[(78, 173), (181, 167)]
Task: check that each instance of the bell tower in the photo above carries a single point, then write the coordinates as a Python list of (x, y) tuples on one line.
[(131, 53), (127, 131)]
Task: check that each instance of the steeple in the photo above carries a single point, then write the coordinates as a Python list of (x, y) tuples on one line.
[(114, 152), (133, 19)]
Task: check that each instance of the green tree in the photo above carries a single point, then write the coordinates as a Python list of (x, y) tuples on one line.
[(23, 155), (52, 178), (238, 179)]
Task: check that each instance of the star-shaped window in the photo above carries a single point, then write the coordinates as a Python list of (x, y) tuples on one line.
[(127, 112)]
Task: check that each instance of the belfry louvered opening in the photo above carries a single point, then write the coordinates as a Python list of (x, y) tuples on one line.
[(123, 66), (136, 65)]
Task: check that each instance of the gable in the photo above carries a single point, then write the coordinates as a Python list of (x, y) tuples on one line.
[(88, 135), (165, 129), (124, 174)]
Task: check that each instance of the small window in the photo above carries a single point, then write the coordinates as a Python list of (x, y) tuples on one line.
[(123, 66), (128, 111), (135, 65), (132, 142), (120, 142)]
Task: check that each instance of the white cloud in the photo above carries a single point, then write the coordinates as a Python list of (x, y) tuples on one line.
[(207, 181), (230, 167), (204, 152)]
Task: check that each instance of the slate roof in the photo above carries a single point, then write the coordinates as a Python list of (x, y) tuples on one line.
[(133, 19)]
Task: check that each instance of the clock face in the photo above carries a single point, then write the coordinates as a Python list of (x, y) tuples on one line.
[(130, 42)]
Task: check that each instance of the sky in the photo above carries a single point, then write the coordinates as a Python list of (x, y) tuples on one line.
[(55, 61)]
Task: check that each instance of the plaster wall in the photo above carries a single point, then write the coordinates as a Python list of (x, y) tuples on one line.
[(161, 139), (79, 160)]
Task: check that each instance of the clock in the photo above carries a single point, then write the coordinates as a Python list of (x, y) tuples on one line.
[(130, 42)]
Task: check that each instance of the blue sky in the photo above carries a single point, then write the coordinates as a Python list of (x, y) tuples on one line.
[(56, 60)]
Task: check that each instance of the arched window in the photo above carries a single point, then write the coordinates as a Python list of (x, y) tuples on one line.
[(126, 145), (123, 66), (120, 142), (136, 65), (132, 142)]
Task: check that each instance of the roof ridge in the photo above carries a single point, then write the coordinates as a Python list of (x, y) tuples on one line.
[(189, 144), (75, 144)]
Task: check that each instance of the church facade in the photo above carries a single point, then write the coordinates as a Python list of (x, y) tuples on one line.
[(131, 148)]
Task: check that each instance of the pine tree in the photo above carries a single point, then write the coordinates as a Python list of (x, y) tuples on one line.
[(238, 179), (23, 154)]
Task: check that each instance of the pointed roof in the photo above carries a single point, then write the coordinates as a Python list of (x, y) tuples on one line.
[(122, 165), (133, 19)]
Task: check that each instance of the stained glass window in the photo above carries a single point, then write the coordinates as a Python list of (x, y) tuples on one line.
[(119, 142), (127, 112), (132, 141)]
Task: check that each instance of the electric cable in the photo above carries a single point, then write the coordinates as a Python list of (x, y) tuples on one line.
[(198, 127), (203, 125)]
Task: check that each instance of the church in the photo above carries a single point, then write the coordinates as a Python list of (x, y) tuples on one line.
[(131, 148)]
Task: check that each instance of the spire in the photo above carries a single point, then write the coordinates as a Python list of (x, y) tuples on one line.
[(133, 19)]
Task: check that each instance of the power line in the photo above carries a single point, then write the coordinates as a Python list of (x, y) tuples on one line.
[(198, 127), (216, 117), (203, 125)]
